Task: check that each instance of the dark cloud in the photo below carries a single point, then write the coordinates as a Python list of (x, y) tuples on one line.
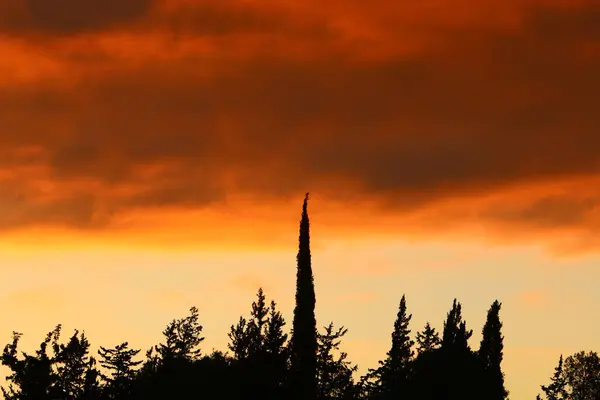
[(221, 18), (576, 22), (69, 16), (553, 212), (483, 110), (25, 205)]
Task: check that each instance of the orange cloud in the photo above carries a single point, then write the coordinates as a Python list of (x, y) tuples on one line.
[(116, 118)]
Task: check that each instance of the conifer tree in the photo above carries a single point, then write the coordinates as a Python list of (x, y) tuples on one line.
[(557, 389), (428, 339), (275, 338), (262, 332), (334, 374), (119, 361), (72, 361), (455, 333), (258, 346), (239, 341), (276, 350), (394, 372), (490, 353), (182, 339), (304, 332), (258, 323)]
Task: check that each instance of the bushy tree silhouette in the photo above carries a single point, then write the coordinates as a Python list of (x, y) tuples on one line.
[(32, 377), (582, 374)]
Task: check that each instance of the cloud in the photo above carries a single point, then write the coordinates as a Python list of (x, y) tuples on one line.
[(406, 116), (62, 18), (69, 16), (548, 212)]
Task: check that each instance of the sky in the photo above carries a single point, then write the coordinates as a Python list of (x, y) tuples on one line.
[(155, 153)]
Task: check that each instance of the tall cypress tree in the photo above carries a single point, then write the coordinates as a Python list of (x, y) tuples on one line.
[(304, 330), (490, 353)]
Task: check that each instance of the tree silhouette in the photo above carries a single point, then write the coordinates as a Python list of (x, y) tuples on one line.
[(427, 340), (259, 351), (72, 363), (32, 377), (182, 338), (122, 370), (239, 340), (582, 375), (277, 351), (304, 331), (168, 372), (557, 389), (451, 371), (392, 376), (334, 374), (258, 324), (56, 371), (490, 352), (455, 329)]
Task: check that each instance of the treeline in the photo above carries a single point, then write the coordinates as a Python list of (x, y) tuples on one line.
[(264, 362)]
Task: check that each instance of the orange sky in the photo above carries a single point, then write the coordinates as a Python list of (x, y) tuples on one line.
[(197, 125)]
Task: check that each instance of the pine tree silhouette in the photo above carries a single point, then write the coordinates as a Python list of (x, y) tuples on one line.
[(557, 389), (394, 371), (120, 363), (427, 340), (334, 374)]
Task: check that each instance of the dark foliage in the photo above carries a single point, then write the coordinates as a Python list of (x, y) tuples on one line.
[(428, 340), (490, 353)]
